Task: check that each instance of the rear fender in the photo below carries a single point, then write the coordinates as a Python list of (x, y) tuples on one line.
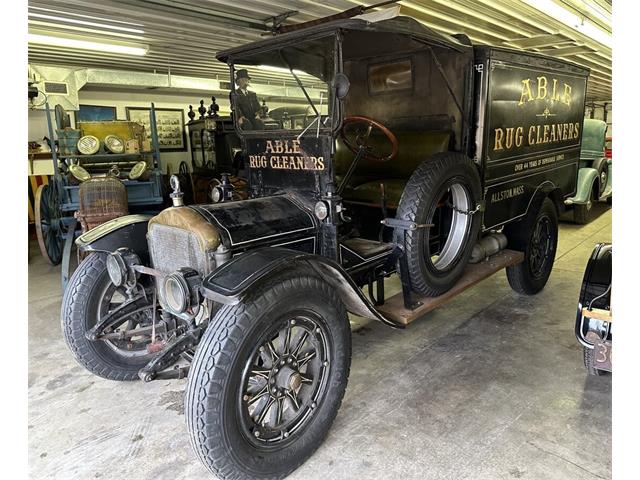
[(544, 190), (236, 278), (586, 180), (128, 231)]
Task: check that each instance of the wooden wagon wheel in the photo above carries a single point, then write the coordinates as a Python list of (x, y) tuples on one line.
[(49, 226)]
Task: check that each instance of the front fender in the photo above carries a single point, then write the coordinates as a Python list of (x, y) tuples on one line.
[(586, 178), (229, 283), (128, 231)]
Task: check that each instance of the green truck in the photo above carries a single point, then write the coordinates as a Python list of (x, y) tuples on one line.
[(594, 172)]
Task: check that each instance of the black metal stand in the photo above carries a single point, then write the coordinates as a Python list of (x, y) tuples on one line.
[(400, 256)]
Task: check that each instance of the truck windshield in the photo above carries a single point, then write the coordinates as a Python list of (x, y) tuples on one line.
[(285, 88)]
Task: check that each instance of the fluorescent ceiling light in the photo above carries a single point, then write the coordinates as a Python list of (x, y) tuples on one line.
[(86, 45), (81, 15), (269, 68), (579, 24), (84, 22)]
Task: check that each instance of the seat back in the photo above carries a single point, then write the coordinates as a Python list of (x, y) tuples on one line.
[(413, 148)]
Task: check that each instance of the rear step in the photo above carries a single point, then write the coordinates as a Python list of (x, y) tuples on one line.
[(393, 308)]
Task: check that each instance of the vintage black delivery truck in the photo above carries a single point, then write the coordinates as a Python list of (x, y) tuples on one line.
[(419, 152)]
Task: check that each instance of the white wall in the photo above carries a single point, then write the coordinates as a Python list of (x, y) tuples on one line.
[(132, 98), (137, 98)]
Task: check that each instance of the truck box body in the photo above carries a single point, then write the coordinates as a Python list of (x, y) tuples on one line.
[(528, 117)]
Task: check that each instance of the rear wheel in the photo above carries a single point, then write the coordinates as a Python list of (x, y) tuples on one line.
[(537, 237), (268, 378), (583, 213), (443, 191)]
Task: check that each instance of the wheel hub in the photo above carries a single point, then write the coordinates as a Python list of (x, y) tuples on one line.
[(285, 377), (284, 381)]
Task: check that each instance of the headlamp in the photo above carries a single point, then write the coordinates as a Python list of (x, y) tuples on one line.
[(217, 194), (120, 267), (321, 210), (181, 290)]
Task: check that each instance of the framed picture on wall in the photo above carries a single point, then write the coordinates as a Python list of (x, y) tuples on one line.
[(95, 113), (169, 123)]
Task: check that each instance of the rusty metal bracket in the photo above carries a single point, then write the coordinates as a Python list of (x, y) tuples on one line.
[(404, 224), (170, 354)]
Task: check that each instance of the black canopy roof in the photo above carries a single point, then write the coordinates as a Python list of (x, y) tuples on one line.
[(401, 25)]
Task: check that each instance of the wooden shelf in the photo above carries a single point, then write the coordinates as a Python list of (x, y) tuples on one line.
[(394, 309), (102, 156)]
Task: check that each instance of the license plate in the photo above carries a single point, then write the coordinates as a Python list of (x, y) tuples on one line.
[(602, 355)]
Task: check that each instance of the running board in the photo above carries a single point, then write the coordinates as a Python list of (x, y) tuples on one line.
[(394, 309)]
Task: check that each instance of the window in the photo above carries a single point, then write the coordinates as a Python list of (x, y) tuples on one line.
[(390, 77)]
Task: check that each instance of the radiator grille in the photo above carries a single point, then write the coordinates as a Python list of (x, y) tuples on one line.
[(172, 248)]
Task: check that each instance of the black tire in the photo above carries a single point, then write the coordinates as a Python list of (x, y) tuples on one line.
[(589, 362), (447, 176), (216, 404), (602, 167), (87, 289), (530, 276), (583, 213)]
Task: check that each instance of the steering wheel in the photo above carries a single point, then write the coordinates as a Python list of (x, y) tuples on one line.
[(362, 138)]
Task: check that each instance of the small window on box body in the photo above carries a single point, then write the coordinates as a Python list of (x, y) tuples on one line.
[(390, 77)]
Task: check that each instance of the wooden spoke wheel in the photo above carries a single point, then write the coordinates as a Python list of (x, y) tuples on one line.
[(49, 224)]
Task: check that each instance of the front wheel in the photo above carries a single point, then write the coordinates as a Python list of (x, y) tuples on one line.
[(537, 237), (589, 362), (268, 378), (88, 297)]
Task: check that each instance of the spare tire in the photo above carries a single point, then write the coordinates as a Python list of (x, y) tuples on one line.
[(444, 190)]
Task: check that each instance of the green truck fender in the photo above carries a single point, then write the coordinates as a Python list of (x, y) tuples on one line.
[(586, 178), (608, 188)]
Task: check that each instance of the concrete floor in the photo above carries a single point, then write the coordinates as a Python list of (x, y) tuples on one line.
[(490, 386)]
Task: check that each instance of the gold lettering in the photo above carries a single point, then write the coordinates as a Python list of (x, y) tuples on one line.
[(498, 142), (532, 132), (269, 147), (509, 142), (526, 92), (553, 133), (320, 164), (542, 87), (519, 136), (570, 135), (576, 131), (565, 128), (538, 136), (296, 146), (567, 94), (555, 95), (546, 134)]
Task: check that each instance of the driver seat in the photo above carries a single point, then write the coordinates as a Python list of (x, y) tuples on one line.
[(413, 148)]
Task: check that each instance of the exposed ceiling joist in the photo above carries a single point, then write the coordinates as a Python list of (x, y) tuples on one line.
[(184, 35)]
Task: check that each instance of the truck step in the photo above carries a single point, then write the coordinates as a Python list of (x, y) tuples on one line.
[(393, 307)]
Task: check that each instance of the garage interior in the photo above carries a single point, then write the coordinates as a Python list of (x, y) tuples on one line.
[(490, 385)]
